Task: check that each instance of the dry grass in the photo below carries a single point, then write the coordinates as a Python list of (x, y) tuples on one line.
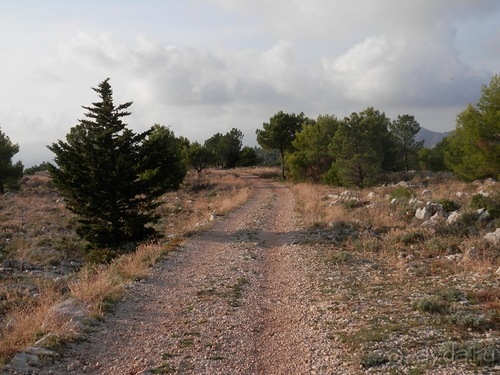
[(391, 263), (35, 227)]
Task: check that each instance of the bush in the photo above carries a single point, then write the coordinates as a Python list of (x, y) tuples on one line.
[(432, 305), (491, 204), (401, 192), (448, 205)]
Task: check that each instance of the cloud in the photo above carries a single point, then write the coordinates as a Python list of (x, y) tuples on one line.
[(206, 66)]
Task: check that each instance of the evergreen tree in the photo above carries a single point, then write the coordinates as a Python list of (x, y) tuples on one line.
[(362, 148), (404, 129), (474, 147), (311, 158), (248, 157), (279, 134), (10, 173), (199, 157), (109, 176)]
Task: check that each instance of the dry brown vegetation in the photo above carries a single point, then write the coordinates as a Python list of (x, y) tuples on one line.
[(411, 292), (45, 262)]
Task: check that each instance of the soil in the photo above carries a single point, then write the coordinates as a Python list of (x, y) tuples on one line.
[(246, 296)]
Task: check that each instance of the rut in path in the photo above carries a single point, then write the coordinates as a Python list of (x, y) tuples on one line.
[(236, 299)]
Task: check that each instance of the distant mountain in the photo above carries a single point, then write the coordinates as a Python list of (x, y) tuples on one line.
[(430, 137)]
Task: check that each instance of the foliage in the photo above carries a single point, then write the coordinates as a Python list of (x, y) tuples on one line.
[(199, 157), (10, 173), (490, 203), (279, 134), (311, 158), (110, 176), (44, 166), (474, 149), (248, 157), (268, 158), (401, 192), (404, 129), (433, 305), (225, 148), (448, 205), (362, 148), (433, 159)]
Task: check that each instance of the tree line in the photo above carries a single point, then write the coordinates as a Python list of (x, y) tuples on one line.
[(111, 176), (363, 148)]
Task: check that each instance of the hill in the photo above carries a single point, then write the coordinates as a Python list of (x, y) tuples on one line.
[(430, 138)]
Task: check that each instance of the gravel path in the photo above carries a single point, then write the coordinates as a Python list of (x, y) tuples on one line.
[(240, 298)]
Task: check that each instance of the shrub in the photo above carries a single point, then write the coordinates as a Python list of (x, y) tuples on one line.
[(432, 305), (491, 204), (448, 205), (401, 192)]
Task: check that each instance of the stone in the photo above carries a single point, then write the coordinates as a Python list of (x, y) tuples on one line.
[(493, 237), (453, 217), (424, 213), (426, 193), (24, 363), (372, 195), (73, 311)]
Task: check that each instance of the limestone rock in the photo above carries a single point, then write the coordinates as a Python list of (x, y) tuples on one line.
[(493, 237)]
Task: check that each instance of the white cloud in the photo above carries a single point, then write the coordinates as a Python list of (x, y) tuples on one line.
[(207, 66)]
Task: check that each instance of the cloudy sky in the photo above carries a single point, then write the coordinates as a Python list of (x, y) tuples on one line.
[(206, 66)]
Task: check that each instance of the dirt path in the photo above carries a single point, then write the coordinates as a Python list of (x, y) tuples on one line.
[(240, 298)]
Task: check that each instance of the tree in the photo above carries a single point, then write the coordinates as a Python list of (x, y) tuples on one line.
[(279, 134), (474, 147), (248, 157), (161, 161), (226, 148), (9, 173), (361, 147), (311, 158), (199, 157), (404, 129), (433, 158), (110, 176)]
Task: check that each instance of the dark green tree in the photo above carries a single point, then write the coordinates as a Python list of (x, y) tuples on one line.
[(162, 166), (110, 175), (226, 148), (404, 129), (248, 157), (361, 147), (199, 157), (215, 144), (279, 134), (10, 172), (474, 147), (311, 158), (432, 159)]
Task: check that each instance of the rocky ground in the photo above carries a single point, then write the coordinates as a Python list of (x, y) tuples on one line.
[(259, 293)]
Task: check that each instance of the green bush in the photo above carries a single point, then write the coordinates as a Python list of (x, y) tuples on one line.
[(432, 305), (448, 205), (491, 204), (401, 192)]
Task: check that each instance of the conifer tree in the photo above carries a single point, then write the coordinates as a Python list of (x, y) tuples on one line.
[(107, 177), (10, 172)]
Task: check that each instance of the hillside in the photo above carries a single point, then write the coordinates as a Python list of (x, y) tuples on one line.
[(300, 278), (430, 138)]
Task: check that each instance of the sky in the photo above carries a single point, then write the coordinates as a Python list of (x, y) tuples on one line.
[(207, 66)]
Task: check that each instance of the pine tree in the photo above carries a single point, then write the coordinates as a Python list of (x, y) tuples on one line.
[(9, 173), (104, 173)]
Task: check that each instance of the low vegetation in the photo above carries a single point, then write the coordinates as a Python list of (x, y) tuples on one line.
[(45, 262), (416, 293)]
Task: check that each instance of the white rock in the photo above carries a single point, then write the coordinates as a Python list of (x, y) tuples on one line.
[(493, 237), (372, 195), (427, 192), (423, 213), (453, 218)]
